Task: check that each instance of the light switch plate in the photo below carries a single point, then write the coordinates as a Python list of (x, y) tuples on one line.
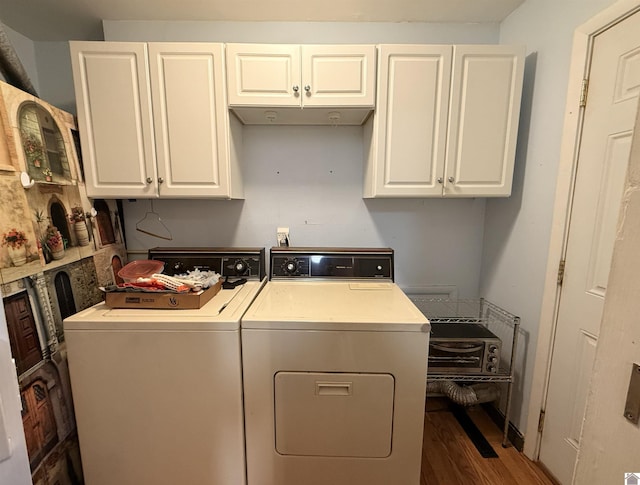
[(282, 235)]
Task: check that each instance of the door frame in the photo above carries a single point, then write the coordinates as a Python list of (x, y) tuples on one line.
[(581, 53)]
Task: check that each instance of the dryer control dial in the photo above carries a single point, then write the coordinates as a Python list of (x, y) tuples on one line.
[(290, 266)]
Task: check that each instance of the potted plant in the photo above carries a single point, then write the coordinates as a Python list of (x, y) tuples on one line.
[(77, 214), (33, 148), (16, 241), (46, 250), (42, 236), (47, 174), (54, 242), (77, 218)]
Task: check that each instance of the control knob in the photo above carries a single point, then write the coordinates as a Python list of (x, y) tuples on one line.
[(178, 267), (491, 367), (493, 348), (290, 266), (240, 267), (492, 358)]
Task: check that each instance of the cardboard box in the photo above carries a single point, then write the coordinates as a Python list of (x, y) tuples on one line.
[(160, 300)]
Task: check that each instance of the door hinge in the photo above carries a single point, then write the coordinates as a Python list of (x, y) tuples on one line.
[(583, 92), (561, 266), (541, 421)]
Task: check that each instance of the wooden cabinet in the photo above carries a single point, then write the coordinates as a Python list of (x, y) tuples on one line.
[(153, 120), (446, 121), (406, 138), (314, 77)]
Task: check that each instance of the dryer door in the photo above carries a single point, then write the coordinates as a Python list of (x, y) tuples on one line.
[(334, 414)]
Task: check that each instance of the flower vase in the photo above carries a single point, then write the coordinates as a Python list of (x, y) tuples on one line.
[(48, 178), (82, 234), (18, 255), (58, 251)]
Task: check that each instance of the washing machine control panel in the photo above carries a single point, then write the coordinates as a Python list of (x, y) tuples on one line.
[(331, 263), (248, 263)]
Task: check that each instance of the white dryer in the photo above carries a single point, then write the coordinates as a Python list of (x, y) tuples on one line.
[(158, 393), (334, 365)]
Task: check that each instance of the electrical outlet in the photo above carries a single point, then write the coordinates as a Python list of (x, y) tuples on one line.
[(282, 236)]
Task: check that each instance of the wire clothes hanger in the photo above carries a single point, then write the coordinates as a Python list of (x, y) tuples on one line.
[(152, 225)]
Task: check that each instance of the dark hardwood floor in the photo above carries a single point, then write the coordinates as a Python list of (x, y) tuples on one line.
[(449, 457)]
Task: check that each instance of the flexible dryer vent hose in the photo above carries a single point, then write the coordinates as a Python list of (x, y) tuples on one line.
[(465, 395)]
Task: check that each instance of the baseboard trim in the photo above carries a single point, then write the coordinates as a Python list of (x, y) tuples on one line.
[(515, 436)]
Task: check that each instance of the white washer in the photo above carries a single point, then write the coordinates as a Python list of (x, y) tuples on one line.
[(158, 393), (334, 364)]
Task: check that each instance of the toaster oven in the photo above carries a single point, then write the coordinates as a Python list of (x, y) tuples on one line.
[(463, 348)]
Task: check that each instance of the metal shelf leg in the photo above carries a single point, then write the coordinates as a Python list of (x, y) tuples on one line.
[(507, 410)]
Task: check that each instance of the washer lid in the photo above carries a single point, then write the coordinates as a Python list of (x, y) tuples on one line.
[(328, 305), (222, 312)]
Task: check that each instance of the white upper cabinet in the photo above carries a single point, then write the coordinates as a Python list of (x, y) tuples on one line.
[(486, 89), (327, 78), (338, 75), (406, 137), (263, 75), (191, 120), (114, 118), (446, 121), (153, 120)]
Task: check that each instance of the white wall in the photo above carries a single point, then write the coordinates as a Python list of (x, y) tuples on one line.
[(517, 229), (310, 178), (302, 32), (54, 71), (49, 61)]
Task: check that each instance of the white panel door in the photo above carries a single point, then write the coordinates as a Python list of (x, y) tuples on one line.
[(190, 117), (609, 442), (114, 118), (410, 122), (614, 84), (263, 75), (483, 120), (338, 75)]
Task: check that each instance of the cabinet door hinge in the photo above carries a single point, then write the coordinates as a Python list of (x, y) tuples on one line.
[(561, 266), (583, 92), (541, 421)]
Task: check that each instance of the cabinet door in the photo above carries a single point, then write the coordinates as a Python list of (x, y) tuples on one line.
[(263, 75), (483, 120), (338, 75), (190, 118), (407, 149), (114, 117)]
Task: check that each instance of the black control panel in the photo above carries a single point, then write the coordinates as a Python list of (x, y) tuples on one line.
[(331, 263), (248, 263)]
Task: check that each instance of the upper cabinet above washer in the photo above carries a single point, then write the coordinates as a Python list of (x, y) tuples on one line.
[(270, 83), (446, 121), (153, 120)]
